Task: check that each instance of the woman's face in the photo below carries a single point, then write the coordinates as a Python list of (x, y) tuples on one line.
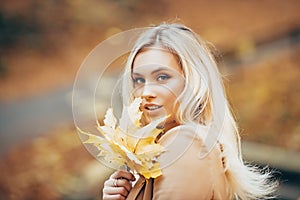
[(158, 78)]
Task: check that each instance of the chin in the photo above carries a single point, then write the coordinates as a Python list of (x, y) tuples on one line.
[(149, 119)]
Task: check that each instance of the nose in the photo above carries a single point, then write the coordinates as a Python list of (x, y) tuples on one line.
[(148, 92)]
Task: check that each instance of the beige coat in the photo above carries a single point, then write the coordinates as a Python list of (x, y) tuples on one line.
[(185, 174)]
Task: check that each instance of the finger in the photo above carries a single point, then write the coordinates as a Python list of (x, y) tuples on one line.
[(113, 197), (124, 183), (120, 183), (110, 182), (115, 190), (123, 174)]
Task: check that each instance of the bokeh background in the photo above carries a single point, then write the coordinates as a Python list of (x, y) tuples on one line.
[(43, 43)]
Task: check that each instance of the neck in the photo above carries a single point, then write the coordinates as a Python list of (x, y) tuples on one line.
[(168, 125)]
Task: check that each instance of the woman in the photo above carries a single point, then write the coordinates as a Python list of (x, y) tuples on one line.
[(175, 74)]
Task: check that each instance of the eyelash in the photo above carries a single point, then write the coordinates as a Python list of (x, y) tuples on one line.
[(138, 80), (160, 78), (163, 76)]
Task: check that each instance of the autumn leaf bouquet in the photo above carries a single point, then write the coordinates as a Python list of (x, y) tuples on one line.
[(126, 142)]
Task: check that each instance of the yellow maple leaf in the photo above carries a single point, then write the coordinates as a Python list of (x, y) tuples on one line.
[(128, 143)]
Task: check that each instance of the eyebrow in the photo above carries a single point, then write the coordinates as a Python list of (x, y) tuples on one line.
[(155, 71)]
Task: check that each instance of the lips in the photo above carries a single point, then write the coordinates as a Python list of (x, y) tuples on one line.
[(152, 107)]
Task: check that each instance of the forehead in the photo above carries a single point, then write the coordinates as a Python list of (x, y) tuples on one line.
[(156, 57)]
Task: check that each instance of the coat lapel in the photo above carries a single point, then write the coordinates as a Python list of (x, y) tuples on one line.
[(142, 190), (136, 189)]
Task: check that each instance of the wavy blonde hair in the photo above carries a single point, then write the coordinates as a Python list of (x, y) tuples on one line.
[(199, 103)]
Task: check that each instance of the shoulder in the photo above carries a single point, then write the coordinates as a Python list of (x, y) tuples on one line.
[(188, 142), (186, 132), (183, 168), (181, 139)]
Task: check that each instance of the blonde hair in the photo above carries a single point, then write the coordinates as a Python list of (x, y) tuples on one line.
[(199, 103)]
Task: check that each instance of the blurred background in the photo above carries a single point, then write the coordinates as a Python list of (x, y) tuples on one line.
[(43, 43)]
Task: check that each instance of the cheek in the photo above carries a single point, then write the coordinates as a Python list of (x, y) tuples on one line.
[(176, 88), (170, 98), (137, 92), (173, 94)]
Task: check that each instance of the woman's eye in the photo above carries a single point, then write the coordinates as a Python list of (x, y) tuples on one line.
[(138, 80), (163, 77)]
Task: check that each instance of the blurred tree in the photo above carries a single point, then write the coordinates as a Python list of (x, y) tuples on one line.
[(15, 29)]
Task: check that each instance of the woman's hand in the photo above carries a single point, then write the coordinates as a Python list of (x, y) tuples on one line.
[(118, 185)]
